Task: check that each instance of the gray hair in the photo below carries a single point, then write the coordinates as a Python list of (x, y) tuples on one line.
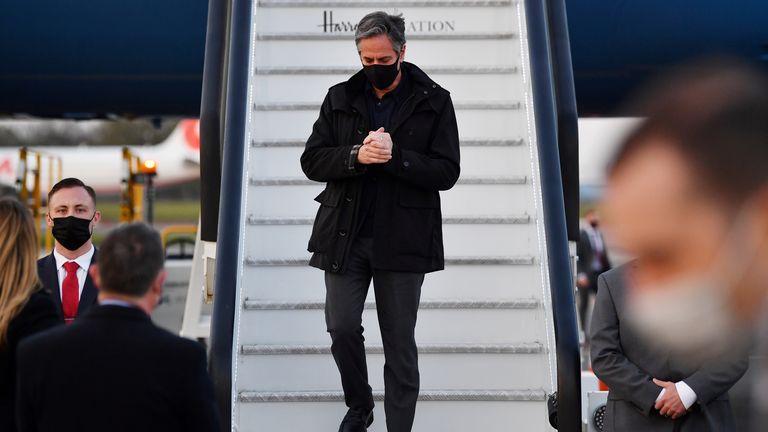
[(376, 23)]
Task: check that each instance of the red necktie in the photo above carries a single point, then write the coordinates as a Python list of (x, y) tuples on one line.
[(70, 292)]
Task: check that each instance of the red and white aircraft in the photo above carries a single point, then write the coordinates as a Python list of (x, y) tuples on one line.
[(177, 158)]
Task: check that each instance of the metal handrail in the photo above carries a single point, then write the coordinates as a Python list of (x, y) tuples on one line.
[(212, 116), (567, 115), (561, 282), (229, 220), (171, 230)]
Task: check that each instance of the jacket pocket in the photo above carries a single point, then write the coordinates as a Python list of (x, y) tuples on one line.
[(419, 215), (326, 220), (419, 198)]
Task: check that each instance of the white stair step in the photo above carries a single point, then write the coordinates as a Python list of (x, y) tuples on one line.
[(298, 201), (474, 181), (455, 282), (299, 53), (272, 125), (520, 303), (319, 372), (521, 416), (476, 241), (469, 260), (280, 91), (457, 105), (434, 326), (346, 71), (472, 87), (456, 220), (378, 395), (464, 143), (285, 350), (476, 162), (456, 36)]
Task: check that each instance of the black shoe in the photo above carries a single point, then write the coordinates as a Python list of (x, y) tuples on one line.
[(356, 421)]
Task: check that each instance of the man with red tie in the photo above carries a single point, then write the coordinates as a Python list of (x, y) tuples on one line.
[(72, 216)]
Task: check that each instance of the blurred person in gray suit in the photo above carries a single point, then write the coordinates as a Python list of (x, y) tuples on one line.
[(649, 388), (687, 195)]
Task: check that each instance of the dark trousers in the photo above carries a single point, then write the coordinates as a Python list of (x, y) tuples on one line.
[(397, 304)]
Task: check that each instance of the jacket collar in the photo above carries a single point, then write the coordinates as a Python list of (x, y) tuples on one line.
[(84, 260), (90, 292), (99, 312), (400, 93), (421, 85)]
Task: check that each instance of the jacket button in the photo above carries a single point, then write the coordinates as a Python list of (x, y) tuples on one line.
[(406, 164), (426, 92), (335, 266), (359, 131), (348, 199), (434, 85), (342, 233)]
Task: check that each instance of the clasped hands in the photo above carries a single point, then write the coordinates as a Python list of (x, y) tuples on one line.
[(376, 148), (669, 404)]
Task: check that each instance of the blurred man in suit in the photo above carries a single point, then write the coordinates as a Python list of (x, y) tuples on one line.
[(649, 388), (72, 215), (687, 195), (113, 369), (593, 260)]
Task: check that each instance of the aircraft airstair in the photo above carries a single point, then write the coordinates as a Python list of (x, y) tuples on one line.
[(486, 329)]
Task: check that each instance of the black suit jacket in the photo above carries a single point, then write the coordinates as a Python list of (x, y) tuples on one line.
[(49, 276), (37, 315), (113, 370), (586, 253), (627, 363)]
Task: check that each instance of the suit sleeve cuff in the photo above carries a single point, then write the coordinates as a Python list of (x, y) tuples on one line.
[(352, 161), (687, 395)]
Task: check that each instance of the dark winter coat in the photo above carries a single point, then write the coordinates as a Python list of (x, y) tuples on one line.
[(425, 160)]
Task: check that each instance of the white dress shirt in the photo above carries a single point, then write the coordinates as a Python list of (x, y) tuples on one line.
[(116, 302), (84, 261), (686, 393)]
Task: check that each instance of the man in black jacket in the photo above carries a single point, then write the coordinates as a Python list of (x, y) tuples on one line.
[(112, 369), (385, 142)]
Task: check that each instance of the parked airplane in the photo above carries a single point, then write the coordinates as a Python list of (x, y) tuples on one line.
[(177, 158)]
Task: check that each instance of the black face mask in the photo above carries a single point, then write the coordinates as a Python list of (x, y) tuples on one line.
[(72, 232), (382, 76), (594, 224)]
